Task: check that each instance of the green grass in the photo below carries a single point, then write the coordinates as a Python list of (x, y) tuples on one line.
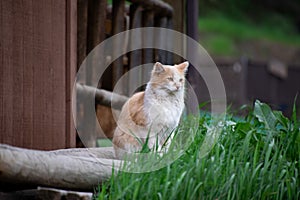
[(255, 157), (221, 33), (104, 143)]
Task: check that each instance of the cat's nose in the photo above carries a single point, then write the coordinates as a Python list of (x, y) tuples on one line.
[(177, 87)]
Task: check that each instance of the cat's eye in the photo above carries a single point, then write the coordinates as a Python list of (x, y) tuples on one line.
[(180, 80), (170, 78)]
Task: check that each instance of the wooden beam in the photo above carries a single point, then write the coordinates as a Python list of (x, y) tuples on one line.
[(103, 97)]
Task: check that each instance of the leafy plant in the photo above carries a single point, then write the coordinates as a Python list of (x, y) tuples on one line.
[(255, 157)]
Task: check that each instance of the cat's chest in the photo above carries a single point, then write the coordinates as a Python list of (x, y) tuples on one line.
[(165, 113)]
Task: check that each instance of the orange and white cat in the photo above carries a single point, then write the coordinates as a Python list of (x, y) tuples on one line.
[(154, 113)]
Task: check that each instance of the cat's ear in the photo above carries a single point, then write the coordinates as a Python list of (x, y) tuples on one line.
[(158, 68), (183, 66)]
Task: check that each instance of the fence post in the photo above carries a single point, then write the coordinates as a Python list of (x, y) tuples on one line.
[(135, 57), (148, 39), (118, 11), (160, 55)]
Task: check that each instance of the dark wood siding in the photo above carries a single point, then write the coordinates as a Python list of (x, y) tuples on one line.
[(37, 54)]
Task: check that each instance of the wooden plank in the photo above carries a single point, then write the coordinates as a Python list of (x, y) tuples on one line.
[(71, 65), (192, 31), (118, 26), (135, 57), (96, 23), (33, 53), (7, 71), (178, 24), (169, 42), (28, 74), (160, 55), (192, 19), (42, 106), (1, 73), (18, 60), (148, 40), (95, 35), (58, 93), (82, 19)]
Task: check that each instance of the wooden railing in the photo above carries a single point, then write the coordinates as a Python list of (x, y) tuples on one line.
[(94, 15), (97, 21)]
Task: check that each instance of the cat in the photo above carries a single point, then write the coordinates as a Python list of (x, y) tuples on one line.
[(154, 113)]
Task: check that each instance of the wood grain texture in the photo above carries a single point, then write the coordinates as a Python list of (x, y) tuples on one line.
[(71, 63), (80, 169), (34, 84)]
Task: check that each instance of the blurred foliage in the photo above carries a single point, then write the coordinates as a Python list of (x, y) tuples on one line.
[(254, 9), (225, 26)]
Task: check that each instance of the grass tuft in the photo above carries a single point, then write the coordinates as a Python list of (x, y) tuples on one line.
[(255, 157)]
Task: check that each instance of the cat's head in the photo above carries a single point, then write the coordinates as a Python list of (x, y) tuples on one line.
[(169, 78)]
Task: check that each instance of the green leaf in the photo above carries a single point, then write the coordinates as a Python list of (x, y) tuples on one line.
[(294, 115), (282, 119), (265, 115)]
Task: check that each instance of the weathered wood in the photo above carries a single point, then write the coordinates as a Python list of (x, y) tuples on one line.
[(148, 40), (103, 152), (169, 43), (192, 31), (118, 11), (82, 20), (73, 170), (96, 22), (159, 7), (135, 57), (160, 55), (46, 193), (178, 22), (34, 60), (102, 97), (95, 35), (71, 65)]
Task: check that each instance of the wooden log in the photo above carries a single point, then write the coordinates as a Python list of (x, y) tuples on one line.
[(103, 97), (103, 152), (70, 169), (46, 193)]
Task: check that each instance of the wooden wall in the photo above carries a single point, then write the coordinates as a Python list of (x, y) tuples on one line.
[(38, 66)]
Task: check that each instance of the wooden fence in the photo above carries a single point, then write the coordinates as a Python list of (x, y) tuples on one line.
[(43, 43), (98, 21)]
